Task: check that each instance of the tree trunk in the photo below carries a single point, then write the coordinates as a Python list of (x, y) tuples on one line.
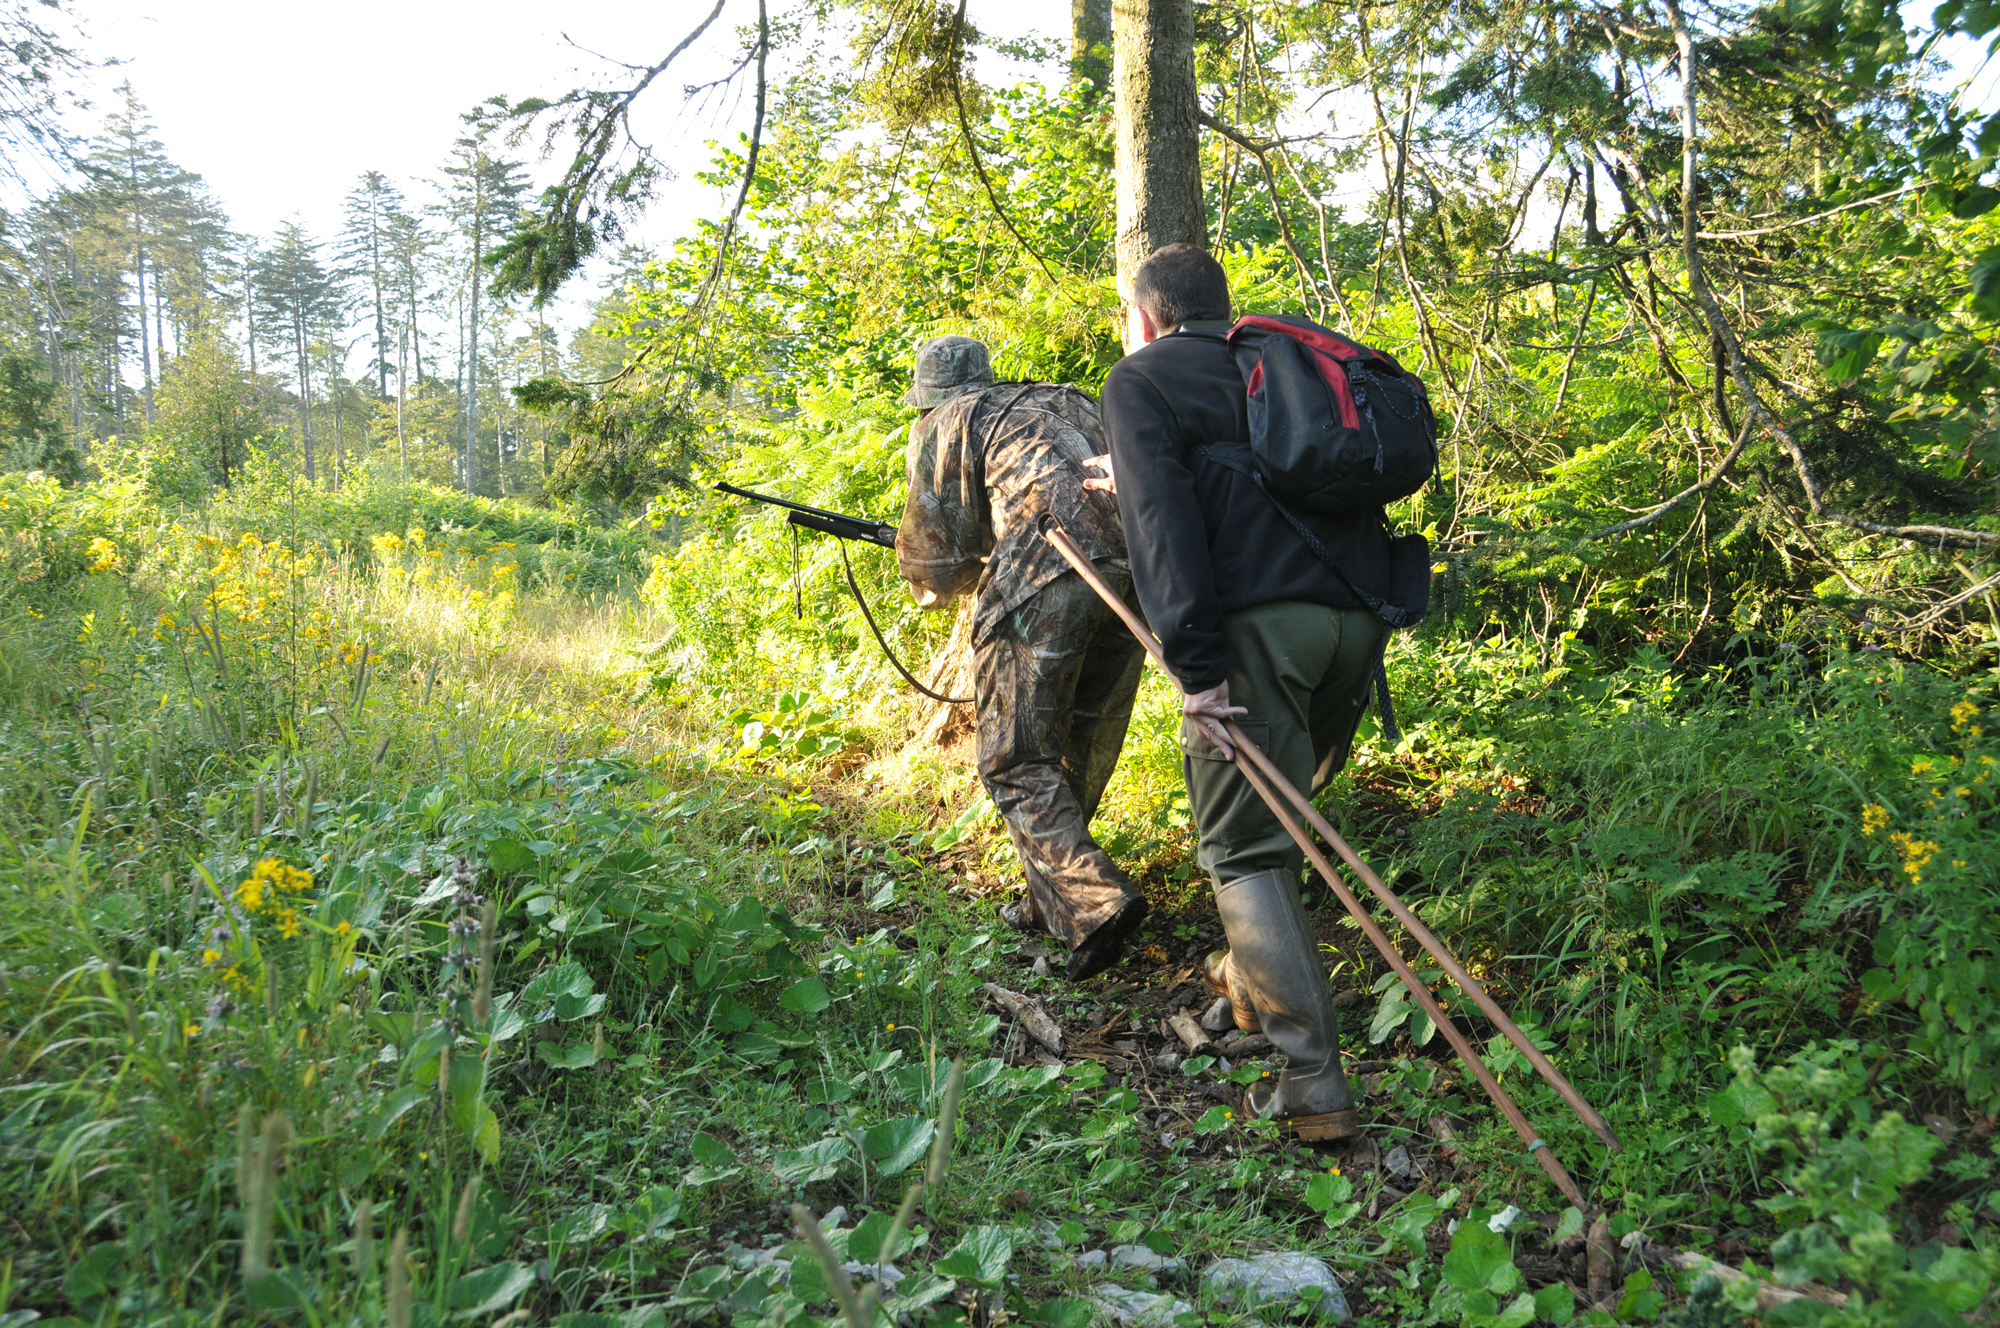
[(402, 391), (1159, 151), (1090, 30)]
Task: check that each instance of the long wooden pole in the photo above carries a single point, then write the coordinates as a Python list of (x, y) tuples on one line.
[(1266, 779)]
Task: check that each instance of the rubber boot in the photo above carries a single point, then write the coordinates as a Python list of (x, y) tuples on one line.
[(1222, 978), (1276, 957)]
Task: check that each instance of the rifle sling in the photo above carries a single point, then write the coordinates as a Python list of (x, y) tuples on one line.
[(882, 641)]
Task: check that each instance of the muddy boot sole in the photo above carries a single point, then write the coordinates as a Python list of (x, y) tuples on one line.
[(1325, 1128), (1103, 947)]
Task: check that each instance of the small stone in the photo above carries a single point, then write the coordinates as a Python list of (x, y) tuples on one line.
[(834, 1217), (1500, 1221), (1146, 1260), (1138, 1309), (1167, 1139), (1397, 1162), (1277, 1277), (1167, 1058), (1041, 969), (1091, 1259), (1219, 1016)]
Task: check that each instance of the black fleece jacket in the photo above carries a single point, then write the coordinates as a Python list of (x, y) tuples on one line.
[(1205, 541)]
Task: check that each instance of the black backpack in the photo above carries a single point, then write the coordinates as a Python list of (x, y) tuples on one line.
[(1336, 426)]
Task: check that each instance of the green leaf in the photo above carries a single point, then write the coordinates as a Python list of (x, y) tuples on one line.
[(1976, 202), (1194, 1065), (1640, 1301), (981, 1257), (1480, 1259), (1327, 1191), (1569, 1226), (1986, 283), (585, 1224), (1064, 1312), (486, 1136), (1214, 1121), (1556, 1302), (893, 1145), (489, 1289), (711, 1151), (509, 855), (580, 1056), (392, 1110), (813, 1163), (277, 1289), (571, 1006), (1390, 1015), (807, 996)]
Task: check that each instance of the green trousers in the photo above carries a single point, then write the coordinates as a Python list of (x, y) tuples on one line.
[(1303, 671)]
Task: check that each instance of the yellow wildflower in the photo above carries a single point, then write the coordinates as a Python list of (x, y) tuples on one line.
[(210, 955), (288, 923), (1874, 817), (1920, 765), (1917, 853), (191, 1030), (1961, 714), (103, 555), (342, 928)]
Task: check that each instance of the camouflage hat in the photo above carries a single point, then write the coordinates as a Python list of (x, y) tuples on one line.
[(947, 366)]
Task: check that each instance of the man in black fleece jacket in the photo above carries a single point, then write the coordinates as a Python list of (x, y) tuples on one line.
[(1256, 628)]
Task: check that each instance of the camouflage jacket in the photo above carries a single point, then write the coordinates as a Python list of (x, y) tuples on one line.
[(983, 467)]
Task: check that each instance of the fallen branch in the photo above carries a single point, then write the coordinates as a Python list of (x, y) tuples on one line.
[(1030, 1015), (1769, 1294)]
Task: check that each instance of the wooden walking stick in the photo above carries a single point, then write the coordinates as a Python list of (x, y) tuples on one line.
[(1277, 791)]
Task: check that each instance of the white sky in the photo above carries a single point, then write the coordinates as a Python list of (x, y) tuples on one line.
[(280, 107)]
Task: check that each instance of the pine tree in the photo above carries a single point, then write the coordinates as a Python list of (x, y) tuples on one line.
[(298, 302), (484, 202), (366, 246)]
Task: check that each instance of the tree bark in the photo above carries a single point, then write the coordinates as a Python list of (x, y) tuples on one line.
[(1090, 29), (1159, 149)]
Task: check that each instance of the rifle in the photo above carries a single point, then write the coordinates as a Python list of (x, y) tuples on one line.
[(843, 527), (818, 518)]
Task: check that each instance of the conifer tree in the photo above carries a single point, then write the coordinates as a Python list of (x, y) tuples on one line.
[(299, 301), (366, 246), (484, 203)]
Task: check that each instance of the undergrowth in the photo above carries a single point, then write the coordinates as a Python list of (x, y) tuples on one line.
[(396, 931)]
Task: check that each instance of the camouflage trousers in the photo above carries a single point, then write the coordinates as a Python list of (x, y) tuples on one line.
[(1054, 680)]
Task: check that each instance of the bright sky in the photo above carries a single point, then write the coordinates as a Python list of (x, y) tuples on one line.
[(281, 107)]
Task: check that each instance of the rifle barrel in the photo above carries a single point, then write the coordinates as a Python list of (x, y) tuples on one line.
[(838, 524)]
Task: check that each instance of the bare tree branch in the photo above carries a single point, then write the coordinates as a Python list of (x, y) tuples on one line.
[(1739, 369), (1707, 482)]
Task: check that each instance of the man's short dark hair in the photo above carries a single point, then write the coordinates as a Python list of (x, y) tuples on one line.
[(1180, 282)]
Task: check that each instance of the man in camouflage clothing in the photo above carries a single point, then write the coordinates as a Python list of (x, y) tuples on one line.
[(1054, 669)]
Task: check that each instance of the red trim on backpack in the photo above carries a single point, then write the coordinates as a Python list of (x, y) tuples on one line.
[(1331, 352)]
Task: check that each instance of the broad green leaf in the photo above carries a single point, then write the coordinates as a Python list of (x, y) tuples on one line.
[(1556, 1302), (711, 1151), (1065, 1312), (1480, 1259), (813, 1163), (893, 1145), (1569, 1226), (509, 855), (392, 1110), (580, 1056), (807, 996), (980, 1257), (1326, 1191), (489, 1289)]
